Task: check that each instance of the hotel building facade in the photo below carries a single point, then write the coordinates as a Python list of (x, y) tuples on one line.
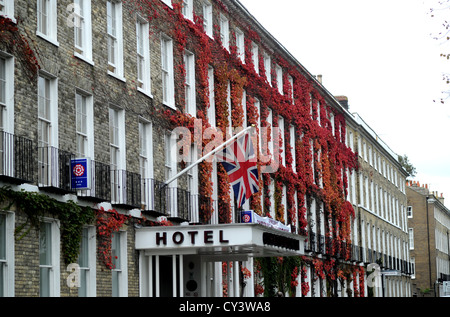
[(110, 83)]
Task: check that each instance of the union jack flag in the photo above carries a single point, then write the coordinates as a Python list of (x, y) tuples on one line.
[(239, 160)]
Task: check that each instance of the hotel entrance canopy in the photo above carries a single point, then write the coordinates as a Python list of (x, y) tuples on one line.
[(232, 242)]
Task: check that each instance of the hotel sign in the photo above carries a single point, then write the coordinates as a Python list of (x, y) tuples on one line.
[(80, 173), (250, 239)]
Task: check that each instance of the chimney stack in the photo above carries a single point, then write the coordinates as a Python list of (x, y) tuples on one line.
[(319, 78), (343, 100)]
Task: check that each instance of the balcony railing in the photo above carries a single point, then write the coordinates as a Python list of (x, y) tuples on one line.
[(125, 188), (17, 158), (54, 169), (100, 183)]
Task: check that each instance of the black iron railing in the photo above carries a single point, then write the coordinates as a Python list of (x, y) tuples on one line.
[(54, 169), (17, 158), (125, 188), (100, 183)]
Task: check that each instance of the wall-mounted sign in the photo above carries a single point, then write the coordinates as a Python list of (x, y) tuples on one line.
[(222, 240), (251, 217), (80, 173)]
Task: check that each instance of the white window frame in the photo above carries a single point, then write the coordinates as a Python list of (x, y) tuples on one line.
[(208, 18), (51, 123), (270, 145), (119, 141), (114, 32), (7, 262), (212, 104), (291, 83), (188, 9), (7, 106), (168, 85), (146, 162), (189, 64), (411, 238), (120, 274), (47, 26), (225, 32), (90, 270), (283, 146), (240, 45), (143, 57), (89, 117), (83, 22), (292, 143), (279, 72), (255, 56), (54, 265), (268, 68), (7, 9), (170, 170)]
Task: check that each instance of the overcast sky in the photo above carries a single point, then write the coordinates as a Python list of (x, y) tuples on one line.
[(380, 54)]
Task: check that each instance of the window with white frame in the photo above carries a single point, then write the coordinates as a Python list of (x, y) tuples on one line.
[(6, 93), (7, 8), (168, 87), (84, 125), (117, 152), (410, 211), (193, 184), (212, 104), (291, 84), (119, 262), (188, 9), (87, 263), (47, 20), (143, 56), (268, 68), (225, 32), (257, 105), (189, 64), (240, 45), (7, 254), (83, 30), (208, 18), (279, 72), (269, 120), (272, 198), (255, 57), (115, 38), (146, 163), (411, 238), (283, 147), (47, 126), (49, 245), (292, 143), (170, 171)]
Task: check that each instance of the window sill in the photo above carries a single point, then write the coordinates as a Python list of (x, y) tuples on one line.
[(169, 106), (83, 58), (145, 92), (47, 38), (121, 78)]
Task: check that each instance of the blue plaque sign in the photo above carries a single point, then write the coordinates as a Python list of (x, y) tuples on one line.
[(247, 216), (80, 173)]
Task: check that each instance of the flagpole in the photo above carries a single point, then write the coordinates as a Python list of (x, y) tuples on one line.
[(206, 156)]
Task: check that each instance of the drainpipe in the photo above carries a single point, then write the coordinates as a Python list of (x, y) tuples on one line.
[(429, 199)]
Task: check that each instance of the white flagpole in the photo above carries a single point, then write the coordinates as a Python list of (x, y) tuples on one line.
[(206, 156)]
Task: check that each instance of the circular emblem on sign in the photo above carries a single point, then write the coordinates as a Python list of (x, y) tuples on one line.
[(246, 218), (78, 170)]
